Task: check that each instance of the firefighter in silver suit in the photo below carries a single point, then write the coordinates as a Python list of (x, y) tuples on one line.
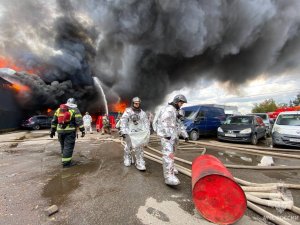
[(168, 125), (135, 129)]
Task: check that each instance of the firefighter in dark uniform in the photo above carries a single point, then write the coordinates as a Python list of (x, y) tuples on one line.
[(67, 118)]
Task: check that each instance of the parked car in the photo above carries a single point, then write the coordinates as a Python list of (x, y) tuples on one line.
[(202, 120), (286, 129), (37, 122), (266, 120), (249, 128)]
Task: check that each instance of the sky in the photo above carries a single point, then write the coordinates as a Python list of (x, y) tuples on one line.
[(281, 88), (223, 52)]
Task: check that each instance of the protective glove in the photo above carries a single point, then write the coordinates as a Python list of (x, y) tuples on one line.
[(186, 139), (52, 133), (82, 134)]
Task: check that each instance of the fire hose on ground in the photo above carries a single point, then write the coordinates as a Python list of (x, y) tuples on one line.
[(254, 192), (250, 198), (250, 150)]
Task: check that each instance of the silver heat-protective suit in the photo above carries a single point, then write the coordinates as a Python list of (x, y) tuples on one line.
[(136, 128), (169, 128)]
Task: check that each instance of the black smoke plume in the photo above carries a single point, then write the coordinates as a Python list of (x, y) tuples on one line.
[(145, 48)]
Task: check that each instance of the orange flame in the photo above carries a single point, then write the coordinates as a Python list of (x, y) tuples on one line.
[(8, 63), (19, 87), (119, 107)]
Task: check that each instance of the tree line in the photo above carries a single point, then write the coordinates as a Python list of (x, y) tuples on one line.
[(269, 105)]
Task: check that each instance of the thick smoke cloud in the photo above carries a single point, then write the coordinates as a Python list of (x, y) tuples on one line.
[(147, 48)]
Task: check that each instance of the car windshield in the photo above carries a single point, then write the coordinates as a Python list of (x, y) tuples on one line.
[(239, 120), (190, 115), (289, 120)]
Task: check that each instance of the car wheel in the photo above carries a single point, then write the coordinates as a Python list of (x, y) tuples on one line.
[(254, 139), (36, 127), (274, 145), (265, 136), (194, 135)]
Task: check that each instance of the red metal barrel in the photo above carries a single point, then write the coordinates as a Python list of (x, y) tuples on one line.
[(216, 195)]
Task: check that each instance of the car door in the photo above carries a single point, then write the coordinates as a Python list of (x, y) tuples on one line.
[(212, 120), (260, 126), (49, 120), (200, 122), (42, 121)]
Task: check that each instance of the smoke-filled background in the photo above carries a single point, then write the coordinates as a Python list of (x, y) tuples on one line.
[(144, 48)]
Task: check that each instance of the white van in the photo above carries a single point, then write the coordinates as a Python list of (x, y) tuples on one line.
[(286, 129)]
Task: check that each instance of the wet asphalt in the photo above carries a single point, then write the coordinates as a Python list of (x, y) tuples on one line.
[(100, 190)]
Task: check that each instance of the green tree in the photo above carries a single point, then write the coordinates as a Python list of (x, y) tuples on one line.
[(296, 101), (268, 105)]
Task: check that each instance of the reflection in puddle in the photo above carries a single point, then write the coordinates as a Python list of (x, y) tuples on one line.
[(266, 161), (66, 181), (238, 158)]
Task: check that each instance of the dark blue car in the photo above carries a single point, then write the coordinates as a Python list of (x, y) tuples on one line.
[(203, 120), (37, 122)]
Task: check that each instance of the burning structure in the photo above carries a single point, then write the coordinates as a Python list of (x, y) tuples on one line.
[(144, 48), (10, 112)]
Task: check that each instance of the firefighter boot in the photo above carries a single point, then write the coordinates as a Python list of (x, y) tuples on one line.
[(127, 160), (139, 156), (172, 180)]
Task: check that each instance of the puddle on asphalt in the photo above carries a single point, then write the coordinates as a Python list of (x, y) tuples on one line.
[(21, 138), (66, 181), (239, 158), (283, 175), (35, 135), (232, 157), (13, 145)]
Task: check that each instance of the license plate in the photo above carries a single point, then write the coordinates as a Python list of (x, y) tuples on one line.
[(294, 140), (230, 135)]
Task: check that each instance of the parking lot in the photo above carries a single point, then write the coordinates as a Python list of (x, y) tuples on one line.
[(100, 190)]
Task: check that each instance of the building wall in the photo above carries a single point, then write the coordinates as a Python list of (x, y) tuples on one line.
[(10, 112)]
